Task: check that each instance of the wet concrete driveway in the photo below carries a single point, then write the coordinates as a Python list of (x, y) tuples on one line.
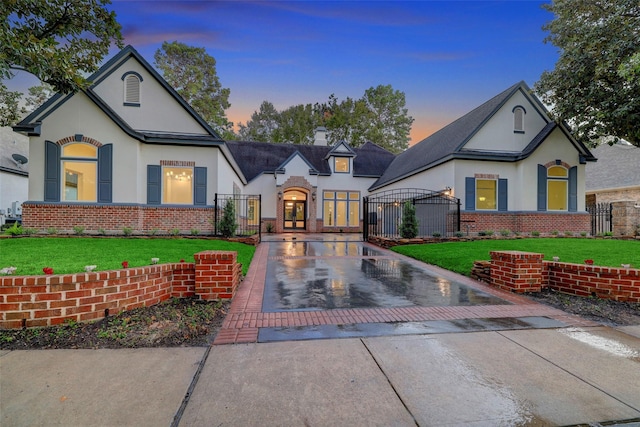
[(302, 287), (312, 275)]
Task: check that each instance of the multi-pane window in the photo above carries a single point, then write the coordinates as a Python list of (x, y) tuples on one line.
[(557, 188), (80, 170), (486, 194), (177, 185), (341, 208), (341, 164), (253, 211)]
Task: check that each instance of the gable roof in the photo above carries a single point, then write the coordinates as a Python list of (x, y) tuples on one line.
[(256, 158), (448, 143), (617, 167), (30, 125)]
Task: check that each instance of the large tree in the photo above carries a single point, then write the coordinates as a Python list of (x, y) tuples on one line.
[(58, 41), (192, 73), (379, 116), (38, 95), (263, 124), (595, 86), (10, 109)]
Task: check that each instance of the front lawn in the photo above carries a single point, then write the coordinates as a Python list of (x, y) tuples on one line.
[(459, 256), (71, 255)]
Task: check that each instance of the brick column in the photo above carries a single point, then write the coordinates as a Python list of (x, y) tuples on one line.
[(217, 274), (517, 271), (626, 217)]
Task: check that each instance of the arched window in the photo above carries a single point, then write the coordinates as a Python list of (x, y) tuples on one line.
[(132, 91), (518, 119), (79, 171)]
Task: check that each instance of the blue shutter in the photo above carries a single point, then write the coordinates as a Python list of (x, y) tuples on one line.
[(154, 184), (51, 172), (542, 188), (502, 195), (105, 173), (573, 189), (200, 186), (470, 194)]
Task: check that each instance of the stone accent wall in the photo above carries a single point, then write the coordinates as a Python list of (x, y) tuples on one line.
[(626, 218), (525, 222), (113, 218), (28, 301), (610, 196), (527, 272)]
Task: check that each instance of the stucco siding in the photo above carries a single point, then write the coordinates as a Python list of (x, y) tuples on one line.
[(498, 133), (158, 110)]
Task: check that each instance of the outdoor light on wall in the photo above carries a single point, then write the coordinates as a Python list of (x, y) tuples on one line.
[(313, 196), (447, 190), (279, 195)]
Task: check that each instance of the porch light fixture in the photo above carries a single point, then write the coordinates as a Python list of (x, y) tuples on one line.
[(313, 196), (279, 195), (447, 190)]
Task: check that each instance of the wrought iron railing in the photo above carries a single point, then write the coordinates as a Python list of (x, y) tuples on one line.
[(437, 213), (601, 218), (246, 210)]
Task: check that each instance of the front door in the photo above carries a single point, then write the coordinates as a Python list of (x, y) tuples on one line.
[(295, 213)]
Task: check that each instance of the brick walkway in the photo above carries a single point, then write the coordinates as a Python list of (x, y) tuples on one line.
[(245, 316)]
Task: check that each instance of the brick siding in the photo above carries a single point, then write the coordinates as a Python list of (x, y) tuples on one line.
[(113, 218), (525, 222)]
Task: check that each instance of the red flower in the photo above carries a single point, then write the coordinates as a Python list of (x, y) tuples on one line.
[(47, 270), (182, 260), (125, 264), (588, 261)]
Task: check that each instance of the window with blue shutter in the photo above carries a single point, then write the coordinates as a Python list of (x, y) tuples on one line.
[(51, 172), (105, 174), (470, 194), (200, 186), (154, 179), (542, 188), (502, 194), (573, 189)]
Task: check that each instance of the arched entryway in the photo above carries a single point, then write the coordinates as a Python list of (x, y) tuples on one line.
[(295, 210)]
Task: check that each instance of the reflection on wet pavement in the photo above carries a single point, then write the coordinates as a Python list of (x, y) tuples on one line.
[(328, 275), (354, 330)]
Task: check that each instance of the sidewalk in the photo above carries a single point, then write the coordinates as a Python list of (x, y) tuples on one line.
[(544, 377)]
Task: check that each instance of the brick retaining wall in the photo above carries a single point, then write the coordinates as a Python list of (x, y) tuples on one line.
[(51, 300), (525, 222), (527, 272)]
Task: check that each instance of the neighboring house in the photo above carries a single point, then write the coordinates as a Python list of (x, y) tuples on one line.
[(14, 173), (129, 152), (615, 176), (512, 167)]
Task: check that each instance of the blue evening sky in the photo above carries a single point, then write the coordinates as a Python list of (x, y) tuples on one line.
[(446, 56)]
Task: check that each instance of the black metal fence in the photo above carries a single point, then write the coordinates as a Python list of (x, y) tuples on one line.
[(438, 214), (601, 218), (247, 212)]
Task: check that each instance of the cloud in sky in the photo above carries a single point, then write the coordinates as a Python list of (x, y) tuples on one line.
[(447, 56)]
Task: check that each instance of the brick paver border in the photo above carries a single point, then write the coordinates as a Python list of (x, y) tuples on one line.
[(245, 316)]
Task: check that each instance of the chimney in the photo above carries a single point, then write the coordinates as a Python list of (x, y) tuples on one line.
[(320, 136)]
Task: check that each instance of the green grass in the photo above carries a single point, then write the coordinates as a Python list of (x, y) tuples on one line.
[(70, 255), (459, 256)]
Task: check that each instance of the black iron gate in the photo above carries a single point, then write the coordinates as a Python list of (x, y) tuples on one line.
[(601, 218), (438, 214), (247, 211)]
